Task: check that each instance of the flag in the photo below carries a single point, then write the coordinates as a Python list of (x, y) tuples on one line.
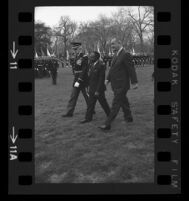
[(53, 54), (42, 53), (48, 53), (109, 52), (36, 56), (133, 52), (98, 49)]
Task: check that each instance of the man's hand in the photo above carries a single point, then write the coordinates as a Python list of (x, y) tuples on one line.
[(76, 84), (134, 86), (106, 82), (96, 93)]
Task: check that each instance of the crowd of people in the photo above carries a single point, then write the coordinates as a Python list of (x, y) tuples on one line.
[(46, 67)]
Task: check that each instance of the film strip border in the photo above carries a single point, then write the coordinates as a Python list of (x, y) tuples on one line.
[(21, 99), (167, 94), (167, 112)]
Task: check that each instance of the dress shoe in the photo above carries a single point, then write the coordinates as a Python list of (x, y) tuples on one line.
[(85, 121), (129, 119), (105, 127), (67, 115)]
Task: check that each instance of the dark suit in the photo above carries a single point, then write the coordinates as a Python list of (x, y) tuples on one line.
[(96, 84), (121, 73)]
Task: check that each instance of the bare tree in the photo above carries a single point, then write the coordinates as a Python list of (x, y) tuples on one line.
[(95, 35), (142, 22), (123, 28), (42, 37), (65, 30), (86, 36), (102, 30)]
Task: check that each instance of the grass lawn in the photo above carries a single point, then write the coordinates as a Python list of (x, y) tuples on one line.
[(69, 152)]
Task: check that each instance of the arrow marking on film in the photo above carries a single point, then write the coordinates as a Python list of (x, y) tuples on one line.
[(13, 136), (13, 52)]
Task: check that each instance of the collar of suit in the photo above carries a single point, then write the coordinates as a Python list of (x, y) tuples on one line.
[(119, 51), (116, 55), (95, 62)]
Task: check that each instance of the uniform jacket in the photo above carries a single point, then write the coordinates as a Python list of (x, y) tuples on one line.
[(97, 78), (80, 69), (122, 71)]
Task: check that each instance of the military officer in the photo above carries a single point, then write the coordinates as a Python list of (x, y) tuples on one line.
[(80, 70)]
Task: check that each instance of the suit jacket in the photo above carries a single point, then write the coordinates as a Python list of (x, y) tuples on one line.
[(97, 78), (122, 71)]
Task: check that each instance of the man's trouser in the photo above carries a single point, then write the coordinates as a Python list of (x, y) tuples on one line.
[(73, 98), (92, 102), (120, 100)]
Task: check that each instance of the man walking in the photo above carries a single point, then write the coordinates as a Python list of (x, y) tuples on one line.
[(80, 70), (121, 73), (96, 87)]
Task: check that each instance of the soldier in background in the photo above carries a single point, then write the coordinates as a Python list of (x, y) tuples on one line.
[(53, 66), (80, 70), (40, 68), (47, 66)]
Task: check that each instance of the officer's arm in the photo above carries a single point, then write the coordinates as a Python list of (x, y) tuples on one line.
[(84, 69), (108, 77), (130, 68), (101, 77)]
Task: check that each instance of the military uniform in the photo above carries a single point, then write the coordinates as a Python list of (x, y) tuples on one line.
[(80, 70), (53, 66), (40, 68)]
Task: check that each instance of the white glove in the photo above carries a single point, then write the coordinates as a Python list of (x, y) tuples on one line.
[(134, 86), (76, 84), (106, 82)]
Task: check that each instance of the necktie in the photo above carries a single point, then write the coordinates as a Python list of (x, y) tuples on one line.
[(90, 69)]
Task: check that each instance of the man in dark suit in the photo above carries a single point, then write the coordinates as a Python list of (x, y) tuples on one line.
[(96, 87), (80, 70), (121, 73)]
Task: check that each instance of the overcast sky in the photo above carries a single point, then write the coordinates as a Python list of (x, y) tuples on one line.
[(51, 15)]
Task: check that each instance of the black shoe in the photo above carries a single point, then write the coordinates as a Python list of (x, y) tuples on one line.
[(129, 119), (67, 115), (85, 121), (105, 127)]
